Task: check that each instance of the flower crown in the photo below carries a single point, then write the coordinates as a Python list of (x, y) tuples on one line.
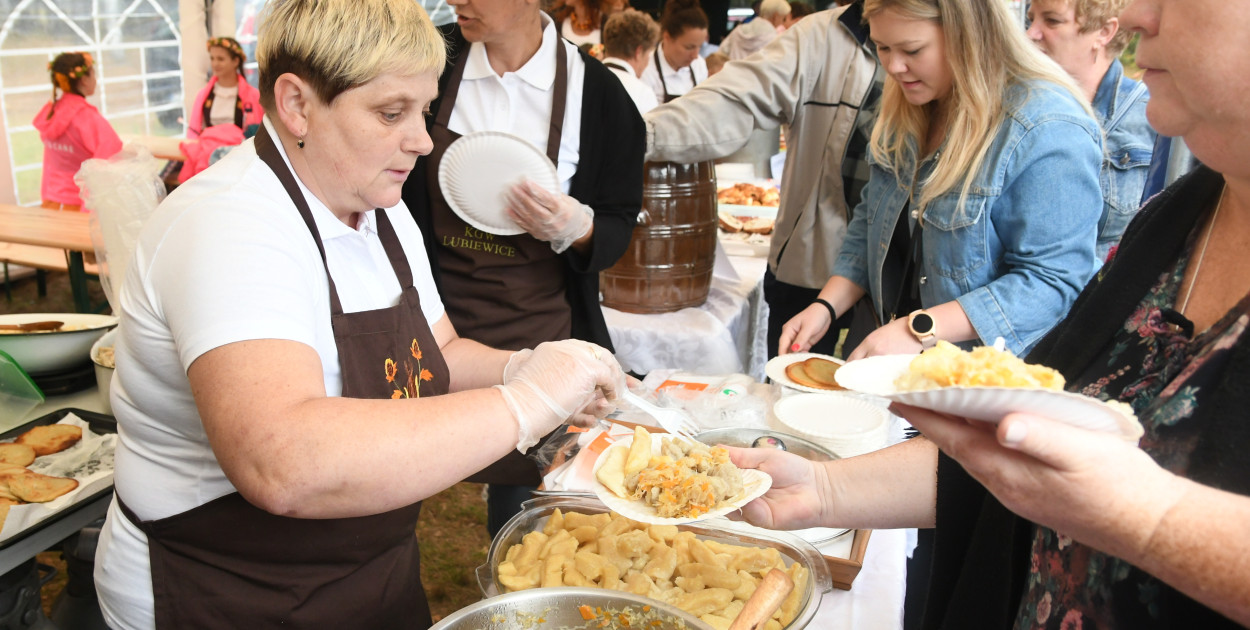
[(229, 44), (62, 79)]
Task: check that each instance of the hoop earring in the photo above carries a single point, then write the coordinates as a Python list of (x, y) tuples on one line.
[(300, 143)]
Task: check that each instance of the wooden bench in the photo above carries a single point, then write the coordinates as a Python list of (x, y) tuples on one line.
[(41, 259)]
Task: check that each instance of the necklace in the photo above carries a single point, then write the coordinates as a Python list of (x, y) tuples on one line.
[(1202, 253)]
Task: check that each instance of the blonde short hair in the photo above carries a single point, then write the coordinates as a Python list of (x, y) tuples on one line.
[(769, 8), (1092, 15), (336, 45)]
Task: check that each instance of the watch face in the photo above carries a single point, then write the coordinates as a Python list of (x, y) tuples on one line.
[(922, 323)]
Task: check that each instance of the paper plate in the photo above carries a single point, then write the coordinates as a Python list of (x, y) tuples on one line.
[(876, 375), (776, 370), (754, 484), (479, 169)]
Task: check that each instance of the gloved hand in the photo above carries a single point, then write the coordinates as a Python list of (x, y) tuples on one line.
[(556, 218), (562, 380), (515, 361)]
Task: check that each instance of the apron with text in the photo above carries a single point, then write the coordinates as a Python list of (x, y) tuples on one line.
[(229, 564), (664, 85), (508, 292)]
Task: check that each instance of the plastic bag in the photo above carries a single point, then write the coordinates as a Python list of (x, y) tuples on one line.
[(121, 192), (715, 402)]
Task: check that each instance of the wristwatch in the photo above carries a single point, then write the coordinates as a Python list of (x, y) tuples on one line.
[(922, 325)]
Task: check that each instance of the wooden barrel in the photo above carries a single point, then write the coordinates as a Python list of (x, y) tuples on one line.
[(668, 265)]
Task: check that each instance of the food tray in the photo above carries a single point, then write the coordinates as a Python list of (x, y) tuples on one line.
[(844, 570), (534, 515), (98, 423)]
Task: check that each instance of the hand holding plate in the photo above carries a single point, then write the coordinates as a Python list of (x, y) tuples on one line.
[(799, 496), (804, 330), (1090, 485), (556, 218), (892, 338)]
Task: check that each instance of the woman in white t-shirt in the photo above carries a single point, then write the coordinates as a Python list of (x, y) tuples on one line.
[(628, 39), (288, 385), (676, 67)]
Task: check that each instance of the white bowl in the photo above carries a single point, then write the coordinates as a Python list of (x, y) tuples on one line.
[(50, 352), (103, 373), (845, 424)]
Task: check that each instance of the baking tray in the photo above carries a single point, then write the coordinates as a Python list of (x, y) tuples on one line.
[(99, 423)]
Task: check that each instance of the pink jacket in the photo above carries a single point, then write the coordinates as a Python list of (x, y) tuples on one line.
[(199, 152), (75, 133), (249, 100)]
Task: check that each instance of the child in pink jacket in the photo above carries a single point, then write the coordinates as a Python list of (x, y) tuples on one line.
[(72, 130)]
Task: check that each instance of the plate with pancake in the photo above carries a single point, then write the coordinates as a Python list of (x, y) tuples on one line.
[(805, 371)]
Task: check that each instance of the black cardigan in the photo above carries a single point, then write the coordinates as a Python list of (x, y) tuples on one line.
[(982, 550), (608, 179)]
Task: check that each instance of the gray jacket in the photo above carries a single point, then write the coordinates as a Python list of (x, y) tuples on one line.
[(816, 77)]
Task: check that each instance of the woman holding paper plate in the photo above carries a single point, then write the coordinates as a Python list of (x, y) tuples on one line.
[(962, 232), (1039, 523), (287, 394), (519, 265)]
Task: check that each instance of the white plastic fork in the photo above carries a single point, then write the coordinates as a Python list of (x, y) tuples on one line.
[(675, 421)]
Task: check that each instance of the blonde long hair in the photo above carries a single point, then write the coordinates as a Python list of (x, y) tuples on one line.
[(987, 52)]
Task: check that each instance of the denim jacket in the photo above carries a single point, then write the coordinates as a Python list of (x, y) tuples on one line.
[(1120, 104), (1023, 247)]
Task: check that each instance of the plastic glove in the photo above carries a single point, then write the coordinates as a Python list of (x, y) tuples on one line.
[(556, 218), (561, 380), (515, 361)]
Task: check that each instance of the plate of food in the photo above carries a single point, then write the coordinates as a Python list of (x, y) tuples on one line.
[(984, 384), (805, 371), (665, 480), (479, 169)]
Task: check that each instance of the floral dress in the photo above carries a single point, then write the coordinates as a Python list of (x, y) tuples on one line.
[(1158, 366)]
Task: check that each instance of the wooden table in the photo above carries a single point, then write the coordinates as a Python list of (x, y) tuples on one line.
[(58, 229), (162, 147)]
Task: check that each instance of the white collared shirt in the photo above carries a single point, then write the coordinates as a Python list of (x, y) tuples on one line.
[(678, 81), (519, 102), (640, 92), (225, 258)]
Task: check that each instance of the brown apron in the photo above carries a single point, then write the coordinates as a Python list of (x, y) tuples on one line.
[(664, 85), (229, 564), (508, 292)]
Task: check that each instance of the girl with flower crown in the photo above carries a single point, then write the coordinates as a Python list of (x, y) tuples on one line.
[(228, 98), (72, 130)]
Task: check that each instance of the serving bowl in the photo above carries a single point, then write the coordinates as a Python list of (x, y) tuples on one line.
[(535, 512), (49, 352), (746, 438), (560, 607), (104, 373)]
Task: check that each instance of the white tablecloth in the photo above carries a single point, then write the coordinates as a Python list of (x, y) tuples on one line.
[(725, 335), (875, 601)]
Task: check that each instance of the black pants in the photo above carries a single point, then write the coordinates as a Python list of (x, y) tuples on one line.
[(787, 300)]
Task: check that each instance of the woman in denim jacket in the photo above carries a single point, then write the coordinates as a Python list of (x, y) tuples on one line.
[(993, 231), (1084, 37)]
